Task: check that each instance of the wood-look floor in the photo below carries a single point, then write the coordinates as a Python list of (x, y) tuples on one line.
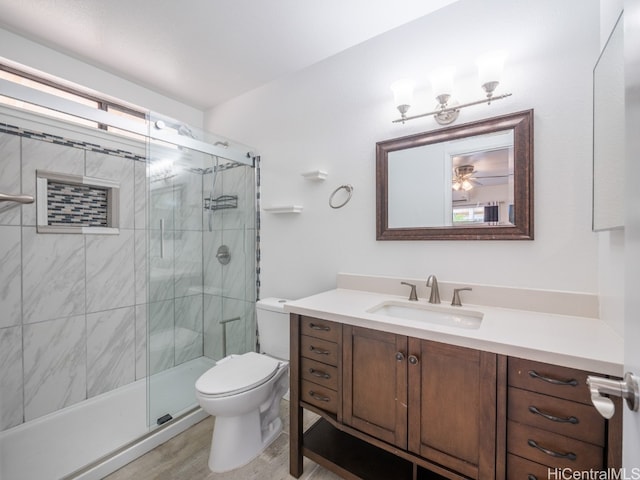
[(186, 455)]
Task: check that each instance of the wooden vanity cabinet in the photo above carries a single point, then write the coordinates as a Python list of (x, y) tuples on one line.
[(435, 400), (553, 425), (320, 363), (402, 408), (452, 407), (375, 383)]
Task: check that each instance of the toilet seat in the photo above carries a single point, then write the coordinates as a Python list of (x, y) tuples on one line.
[(237, 374)]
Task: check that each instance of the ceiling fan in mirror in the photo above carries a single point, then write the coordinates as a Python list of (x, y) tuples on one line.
[(465, 178)]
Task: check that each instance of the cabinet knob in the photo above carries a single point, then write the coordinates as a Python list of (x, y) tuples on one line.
[(413, 360), (399, 356)]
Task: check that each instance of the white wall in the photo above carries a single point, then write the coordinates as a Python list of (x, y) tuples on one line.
[(33, 55), (331, 115)]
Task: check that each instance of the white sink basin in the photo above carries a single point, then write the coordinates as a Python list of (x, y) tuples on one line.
[(435, 314)]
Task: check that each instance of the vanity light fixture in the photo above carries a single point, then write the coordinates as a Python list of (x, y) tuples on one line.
[(447, 110)]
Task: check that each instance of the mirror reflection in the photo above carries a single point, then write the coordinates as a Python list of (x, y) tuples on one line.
[(467, 181), (472, 181)]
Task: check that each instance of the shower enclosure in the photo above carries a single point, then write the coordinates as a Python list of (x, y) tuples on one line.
[(130, 274), (202, 270)]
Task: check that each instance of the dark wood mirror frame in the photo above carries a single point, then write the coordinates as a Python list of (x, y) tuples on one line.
[(522, 125)]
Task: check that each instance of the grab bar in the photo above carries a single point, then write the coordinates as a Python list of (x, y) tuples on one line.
[(5, 197)]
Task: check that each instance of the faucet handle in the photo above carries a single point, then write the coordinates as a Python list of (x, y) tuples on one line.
[(413, 296), (456, 296)]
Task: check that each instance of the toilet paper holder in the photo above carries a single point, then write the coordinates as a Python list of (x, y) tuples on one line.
[(627, 388)]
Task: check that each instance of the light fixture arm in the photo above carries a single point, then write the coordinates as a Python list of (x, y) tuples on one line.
[(487, 100)]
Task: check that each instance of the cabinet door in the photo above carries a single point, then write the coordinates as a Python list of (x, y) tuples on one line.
[(452, 407), (375, 383)]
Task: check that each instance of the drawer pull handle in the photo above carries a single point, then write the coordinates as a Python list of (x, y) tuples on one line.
[(323, 328), (319, 373), (568, 456), (531, 477), (573, 420), (571, 383), (319, 351), (320, 398)]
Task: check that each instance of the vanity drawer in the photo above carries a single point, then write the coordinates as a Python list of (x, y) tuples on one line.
[(553, 450), (565, 417), (319, 373), (549, 379), (324, 329), (319, 350), (322, 397), (519, 468)]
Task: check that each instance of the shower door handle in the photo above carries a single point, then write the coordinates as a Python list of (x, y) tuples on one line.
[(5, 197), (162, 238)]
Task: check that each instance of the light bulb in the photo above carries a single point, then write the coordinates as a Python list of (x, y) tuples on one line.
[(490, 67), (403, 94), (442, 84)]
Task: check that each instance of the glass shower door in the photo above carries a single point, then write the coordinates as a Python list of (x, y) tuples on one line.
[(201, 230), (229, 259), (175, 287)]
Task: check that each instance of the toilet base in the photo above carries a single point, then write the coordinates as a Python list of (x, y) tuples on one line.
[(238, 440)]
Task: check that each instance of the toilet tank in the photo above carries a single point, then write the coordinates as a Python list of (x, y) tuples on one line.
[(273, 327)]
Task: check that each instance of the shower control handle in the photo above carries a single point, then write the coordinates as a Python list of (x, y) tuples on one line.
[(223, 255)]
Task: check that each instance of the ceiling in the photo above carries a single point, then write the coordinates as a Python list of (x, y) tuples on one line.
[(204, 52)]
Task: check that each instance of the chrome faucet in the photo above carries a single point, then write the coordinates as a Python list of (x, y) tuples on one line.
[(413, 296), (455, 301), (432, 282)]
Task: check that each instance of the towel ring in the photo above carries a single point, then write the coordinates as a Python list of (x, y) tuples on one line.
[(348, 188)]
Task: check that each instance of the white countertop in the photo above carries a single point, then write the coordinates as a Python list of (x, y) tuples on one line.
[(571, 341)]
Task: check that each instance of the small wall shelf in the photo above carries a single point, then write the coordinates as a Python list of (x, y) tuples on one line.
[(315, 175), (284, 209)]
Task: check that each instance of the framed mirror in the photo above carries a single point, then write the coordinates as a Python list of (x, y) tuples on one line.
[(466, 182)]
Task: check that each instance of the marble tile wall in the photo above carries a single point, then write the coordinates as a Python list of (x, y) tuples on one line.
[(230, 290), (69, 316), (73, 308)]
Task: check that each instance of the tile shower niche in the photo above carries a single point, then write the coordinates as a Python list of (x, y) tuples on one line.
[(76, 204)]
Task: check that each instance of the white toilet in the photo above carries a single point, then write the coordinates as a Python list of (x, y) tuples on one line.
[(244, 391)]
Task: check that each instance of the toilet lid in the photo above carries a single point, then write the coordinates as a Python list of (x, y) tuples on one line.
[(237, 374)]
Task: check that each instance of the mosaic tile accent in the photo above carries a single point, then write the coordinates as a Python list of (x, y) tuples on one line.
[(69, 204), (47, 137), (256, 161)]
